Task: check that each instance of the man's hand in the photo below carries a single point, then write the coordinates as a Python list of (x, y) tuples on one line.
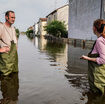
[(5, 49)]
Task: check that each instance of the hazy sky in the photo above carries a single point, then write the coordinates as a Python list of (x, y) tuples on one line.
[(29, 11)]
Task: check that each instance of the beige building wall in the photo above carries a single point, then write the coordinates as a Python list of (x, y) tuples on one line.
[(39, 28), (63, 15), (52, 17), (60, 14), (41, 24)]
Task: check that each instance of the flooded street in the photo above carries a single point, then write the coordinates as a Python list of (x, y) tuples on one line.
[(49, 73)]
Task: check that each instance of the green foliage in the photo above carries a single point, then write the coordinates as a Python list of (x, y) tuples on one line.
[(29, 31), (56, 28), (17, 33), (30, 34)]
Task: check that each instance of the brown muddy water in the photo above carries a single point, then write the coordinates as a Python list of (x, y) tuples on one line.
[(49, 73)]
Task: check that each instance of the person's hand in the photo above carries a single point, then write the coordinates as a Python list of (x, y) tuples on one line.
[(5, 49), (84, 57)]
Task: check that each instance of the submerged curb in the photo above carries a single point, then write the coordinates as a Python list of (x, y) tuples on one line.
[(76, 42)]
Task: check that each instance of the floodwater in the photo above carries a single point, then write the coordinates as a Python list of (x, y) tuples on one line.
[(49, 73)]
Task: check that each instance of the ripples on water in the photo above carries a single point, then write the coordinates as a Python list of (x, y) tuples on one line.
[(49, 73)]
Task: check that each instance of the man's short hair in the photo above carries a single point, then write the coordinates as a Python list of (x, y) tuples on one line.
[(7, 13)]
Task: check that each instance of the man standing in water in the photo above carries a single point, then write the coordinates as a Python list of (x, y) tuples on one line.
[(8, 45)]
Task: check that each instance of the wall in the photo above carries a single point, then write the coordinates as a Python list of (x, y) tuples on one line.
[(36, 29), (82, 13), (52, 17), (44, 23), (62, 15), (41, 25)]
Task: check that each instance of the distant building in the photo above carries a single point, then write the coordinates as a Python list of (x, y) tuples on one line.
[(36, 28), (82, 13), (41, 24), (60, 14), (31, 28)]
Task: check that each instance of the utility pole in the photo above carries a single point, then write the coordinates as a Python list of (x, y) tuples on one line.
[(101, 9)]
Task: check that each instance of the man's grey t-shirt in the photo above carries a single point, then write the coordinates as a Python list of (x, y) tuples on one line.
[(7, 34)]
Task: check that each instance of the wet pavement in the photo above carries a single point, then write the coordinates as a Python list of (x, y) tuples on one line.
[(49, 73)]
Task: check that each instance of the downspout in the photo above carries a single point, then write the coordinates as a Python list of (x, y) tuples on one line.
[(101, 9)]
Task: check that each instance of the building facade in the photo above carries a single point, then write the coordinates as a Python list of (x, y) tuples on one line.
[(60, 14), (36, 28), (82, 13), (41, 24)]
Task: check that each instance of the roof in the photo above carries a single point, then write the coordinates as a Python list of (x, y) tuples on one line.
[(43, 19), (57, 9)]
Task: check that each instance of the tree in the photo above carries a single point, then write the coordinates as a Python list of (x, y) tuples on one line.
[(17, 32), (30, 34), (56, 28)]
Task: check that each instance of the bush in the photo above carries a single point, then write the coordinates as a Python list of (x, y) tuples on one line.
[(29, 31), (30, 34), (17, 33), (56, 28)]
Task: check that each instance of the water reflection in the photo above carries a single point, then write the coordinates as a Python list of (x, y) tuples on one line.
[(51, 86), (56, 50), (78, 81), (68, 58), (9, 89), (41, 43), (75, 64)]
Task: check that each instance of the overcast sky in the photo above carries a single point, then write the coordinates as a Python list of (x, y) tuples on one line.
[(29, 11)]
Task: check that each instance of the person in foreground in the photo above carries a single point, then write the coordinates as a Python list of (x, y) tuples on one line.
[(8, 45), (96, 59)]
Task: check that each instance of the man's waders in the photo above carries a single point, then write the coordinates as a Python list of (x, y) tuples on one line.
[(9, 61)]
